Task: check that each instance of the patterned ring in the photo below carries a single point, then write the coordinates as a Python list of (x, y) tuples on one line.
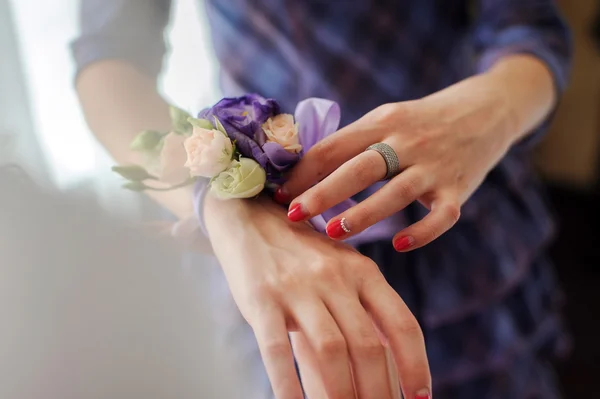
[(390, 157)]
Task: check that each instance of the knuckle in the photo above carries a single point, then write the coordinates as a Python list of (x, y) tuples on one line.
[(384, 112), (452, 211), (365, 168), (409, 326), (260, 295), (331, 344), (369, 346), (426, 236), (408, 188), (323, 152), (362, 218), (369, 275), (316, 200), (276, 347)]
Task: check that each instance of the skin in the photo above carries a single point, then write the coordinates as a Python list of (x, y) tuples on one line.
[(446, 143), (284, 276)]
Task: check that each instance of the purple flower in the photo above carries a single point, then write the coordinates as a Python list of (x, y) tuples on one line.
[(242, 118), (244, 114)]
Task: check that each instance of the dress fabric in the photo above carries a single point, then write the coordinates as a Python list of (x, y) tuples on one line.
[(485, 294)]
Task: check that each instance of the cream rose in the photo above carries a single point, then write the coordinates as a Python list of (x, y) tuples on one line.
[(209, 152), (171, 169), (282, 130), (244, 179)]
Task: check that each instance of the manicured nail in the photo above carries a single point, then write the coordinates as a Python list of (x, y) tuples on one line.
[(281, 196), (296, 213), (423, 394), (403, 243), (338, 228)]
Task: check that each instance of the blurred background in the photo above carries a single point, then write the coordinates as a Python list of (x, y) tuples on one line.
[(41, 120), (41, 127)]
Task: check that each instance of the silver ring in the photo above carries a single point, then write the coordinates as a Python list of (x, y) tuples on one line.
[(390, 157)]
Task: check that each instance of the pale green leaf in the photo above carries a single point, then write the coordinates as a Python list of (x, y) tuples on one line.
[(219, 126), (133, 172), (147, 140), (179, 120), (135, 186), (201, 123)]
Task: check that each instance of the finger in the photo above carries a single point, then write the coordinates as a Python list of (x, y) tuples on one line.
[(394, 196), (404, 336), (329, 347), (393, 375), (275, 348), (443, 215), (391, 365), (352, 177), (326, 156), (309, 367), (367, 354)]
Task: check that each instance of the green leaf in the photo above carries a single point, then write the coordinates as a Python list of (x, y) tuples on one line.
[(201, 123), (133, 172), (219, 126), (179, 120), (147, 140), (135, 186)]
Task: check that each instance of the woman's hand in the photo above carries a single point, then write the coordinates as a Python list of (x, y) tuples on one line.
[(446, 144), (287, 277)]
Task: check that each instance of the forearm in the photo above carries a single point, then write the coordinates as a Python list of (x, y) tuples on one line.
[(527, 88), (237, 216), (516, 94), (118, 103)]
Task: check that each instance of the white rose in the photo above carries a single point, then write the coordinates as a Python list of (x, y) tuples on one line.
[(282, 130), (244, 179), (209, 152)]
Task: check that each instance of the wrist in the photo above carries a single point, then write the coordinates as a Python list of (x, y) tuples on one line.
[(525, 87), (235, 216), (478, 107), (509, 126)]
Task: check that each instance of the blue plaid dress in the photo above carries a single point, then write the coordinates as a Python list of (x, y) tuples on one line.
[(484, 293)]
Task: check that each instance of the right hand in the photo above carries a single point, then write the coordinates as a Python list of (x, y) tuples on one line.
[(287, 277)]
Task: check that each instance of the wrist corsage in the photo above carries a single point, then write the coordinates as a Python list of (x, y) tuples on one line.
[(241, 144), (236, 149)]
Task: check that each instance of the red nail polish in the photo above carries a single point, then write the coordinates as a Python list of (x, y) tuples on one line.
[(423, 396), (281, 196), (337, 229), (403, 243), (296, 213)]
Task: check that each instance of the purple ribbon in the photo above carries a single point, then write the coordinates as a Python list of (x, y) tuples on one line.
[(317, 119)]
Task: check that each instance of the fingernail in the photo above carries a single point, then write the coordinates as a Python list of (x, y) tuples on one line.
[(296, 213), (281, 196), (403, 243), (338, 228), (423, 394)]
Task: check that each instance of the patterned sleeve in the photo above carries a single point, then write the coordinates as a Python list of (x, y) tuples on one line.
[(130, 30), (533, 27)]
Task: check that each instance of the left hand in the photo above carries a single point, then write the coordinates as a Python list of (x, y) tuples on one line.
[(446, 144)]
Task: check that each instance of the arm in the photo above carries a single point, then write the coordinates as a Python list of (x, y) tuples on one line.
[(119, 55), (506, 28), (446, 142), (119, 101), (282, 276)]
